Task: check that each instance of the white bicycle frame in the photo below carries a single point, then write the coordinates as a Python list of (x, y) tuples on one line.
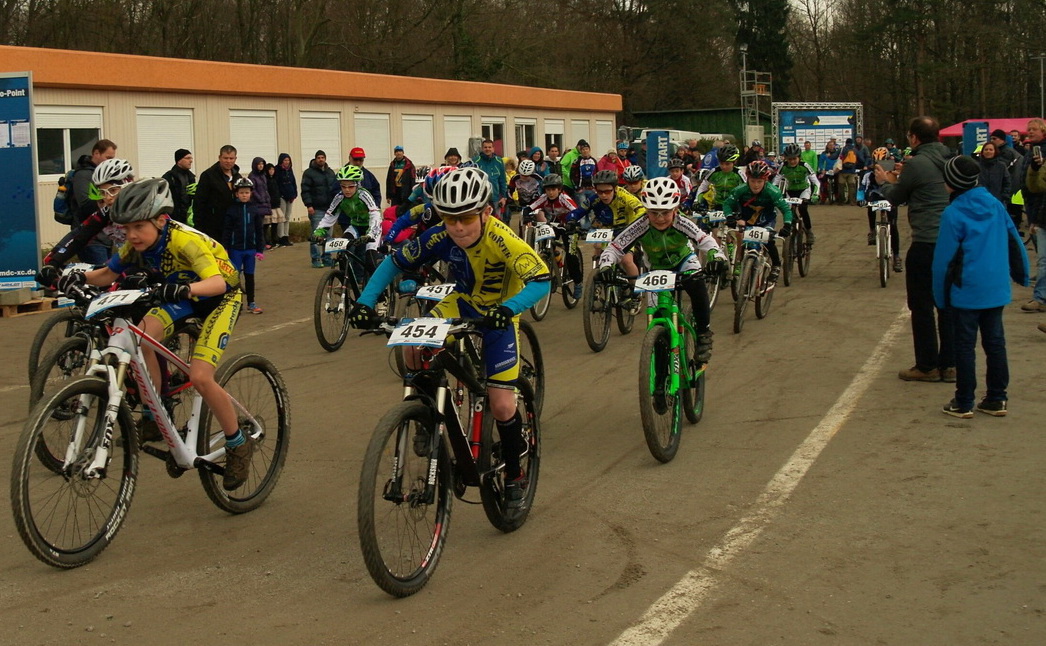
[(124, 345), (882, 222)]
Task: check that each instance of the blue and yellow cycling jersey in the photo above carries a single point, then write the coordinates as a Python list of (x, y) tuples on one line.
[(492, 270), (622, 211), (181, 255)]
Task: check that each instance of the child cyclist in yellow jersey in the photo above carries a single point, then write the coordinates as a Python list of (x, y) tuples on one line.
[(199, 281), (496, 275)]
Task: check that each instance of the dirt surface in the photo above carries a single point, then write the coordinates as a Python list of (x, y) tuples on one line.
[(911, 527)]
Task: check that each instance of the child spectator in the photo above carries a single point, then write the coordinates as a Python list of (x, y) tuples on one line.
[(978, 251), (260, 192), (244, 237), (272, 222)]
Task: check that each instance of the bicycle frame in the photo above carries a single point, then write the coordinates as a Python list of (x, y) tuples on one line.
[(124, 347), (666, 312)]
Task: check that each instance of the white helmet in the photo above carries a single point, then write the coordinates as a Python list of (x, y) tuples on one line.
[(526, 167), (112, 171), (632, 173), (460, 191), (661, 194)]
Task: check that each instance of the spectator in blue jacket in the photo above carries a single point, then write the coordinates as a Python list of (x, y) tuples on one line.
[(492, 165), (978, 251), (827, 174), (243, 236), (288, 193)]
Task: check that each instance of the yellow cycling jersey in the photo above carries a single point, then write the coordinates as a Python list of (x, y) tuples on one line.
[(495, 268), (622, 211), (181, 254)]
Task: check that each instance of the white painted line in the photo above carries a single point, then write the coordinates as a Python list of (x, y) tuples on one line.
[(686, 596), (272, 329), (11, 389)]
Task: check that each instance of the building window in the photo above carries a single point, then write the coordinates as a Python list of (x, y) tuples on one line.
[(63, 134), (525, 134), (495, 131)]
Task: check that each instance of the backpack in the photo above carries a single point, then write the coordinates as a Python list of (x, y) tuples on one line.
[(850, 162), (62, 212)]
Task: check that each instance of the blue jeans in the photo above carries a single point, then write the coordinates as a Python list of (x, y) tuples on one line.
[(993, 340), (94, 254), (1040, 266), (315, 250)]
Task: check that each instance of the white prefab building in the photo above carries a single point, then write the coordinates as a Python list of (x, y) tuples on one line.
[(151, 107)]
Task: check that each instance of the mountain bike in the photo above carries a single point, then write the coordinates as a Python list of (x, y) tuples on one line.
[(754, 284), (431, 448), (67, 513), (714, 223), (408, 303), (61, 325), (541, 236), (883, 240), (670, 379), (797, 247), (606, 295), (340, 287)]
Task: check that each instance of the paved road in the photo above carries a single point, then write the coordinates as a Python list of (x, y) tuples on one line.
[(820, 500)]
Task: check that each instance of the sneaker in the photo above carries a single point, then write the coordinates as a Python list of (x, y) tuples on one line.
[(1033, 306), (810, 237), (422, 442), (995, 408), (516, 492), (703, 351), (898, 266), (253, 308), (579, 289), (317, 264), (914, 374), (286, 242), (871, 238), (948, 375), (953, 409), (775, 273), (237, 465), (148, 430)]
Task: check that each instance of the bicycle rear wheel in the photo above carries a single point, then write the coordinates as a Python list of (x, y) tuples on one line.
[(694, 375), (712, 284), (402, 533), (568, 285), (491, 463), (532, 363), (883, 251), (746, 284), (765, 292), (597, 312), (55, 329), (65, 517), (805, 249), (626, 316), (254, 381), (334, 298), (658, 407)]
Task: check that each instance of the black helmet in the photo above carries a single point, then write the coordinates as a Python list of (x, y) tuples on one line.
[(243, 182), (729, 153), (792, 150), (675, 162), (605, 177), (552, 180)]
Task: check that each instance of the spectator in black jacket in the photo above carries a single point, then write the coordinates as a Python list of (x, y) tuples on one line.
[(1013, 161), (103, 149), (399, 180), (995, 176), (214, 193), (318, 185), (272, 222), (288, 193), (178, 178)]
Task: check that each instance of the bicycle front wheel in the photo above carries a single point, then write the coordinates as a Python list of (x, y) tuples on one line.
[(257, 385), (402, 526), (55, 329), (491, 463), (67, 515), (568, 284), (597, 312), (746, 284), (334, 298), (532, 363), (787, 260), (540, 309), (659, 407), (883, 251), (712, 284), (765, 292)]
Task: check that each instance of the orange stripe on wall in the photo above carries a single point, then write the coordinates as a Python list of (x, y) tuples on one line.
[(59, 68)]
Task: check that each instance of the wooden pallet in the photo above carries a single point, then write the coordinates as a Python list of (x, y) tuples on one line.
[(37, 306)]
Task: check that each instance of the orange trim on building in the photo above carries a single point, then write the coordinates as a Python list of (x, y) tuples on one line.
[(60, 68)]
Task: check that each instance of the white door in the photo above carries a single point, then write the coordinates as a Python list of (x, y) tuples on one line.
[(372, 135), (579, 130), (161, 131), (321, 131), (456, 133), (604, 138), (253, 134)]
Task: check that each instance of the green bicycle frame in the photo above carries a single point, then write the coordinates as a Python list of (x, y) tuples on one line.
[(666, 313)]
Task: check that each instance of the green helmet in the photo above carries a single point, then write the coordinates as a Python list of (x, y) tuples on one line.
[(350, 173)]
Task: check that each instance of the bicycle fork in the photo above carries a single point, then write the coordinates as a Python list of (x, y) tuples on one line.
[(99, 464)]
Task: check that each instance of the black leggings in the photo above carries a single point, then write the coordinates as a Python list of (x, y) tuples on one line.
[(695, 289), (804, 209)]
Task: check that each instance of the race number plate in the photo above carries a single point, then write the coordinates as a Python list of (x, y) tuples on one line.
[(544, 232), (113, 299), (434, 292), (881, 205), (715, 217), (794, 201), (334, 245), (661, 280), (757, 234), (600, 235), (77, 266), (427, 332)]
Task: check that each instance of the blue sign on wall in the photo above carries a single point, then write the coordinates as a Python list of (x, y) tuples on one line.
[(19, 247), (816, 126), (657, 154), (974, 133)]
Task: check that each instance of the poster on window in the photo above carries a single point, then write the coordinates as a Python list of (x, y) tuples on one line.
[(19, 248)]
